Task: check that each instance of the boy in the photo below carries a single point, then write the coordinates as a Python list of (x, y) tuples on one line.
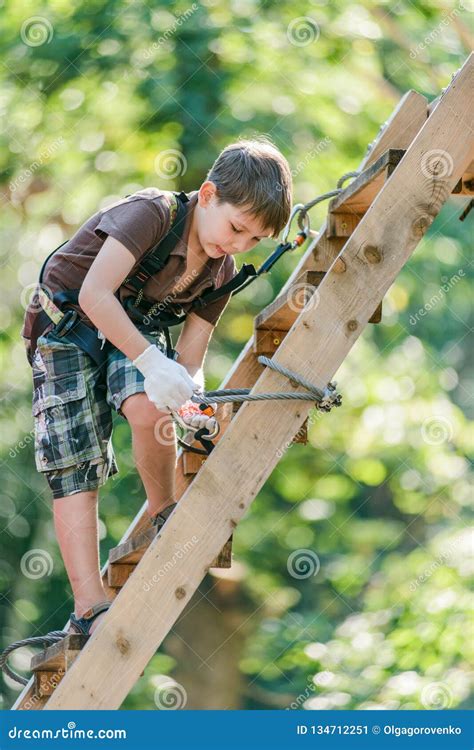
[(246, 197)]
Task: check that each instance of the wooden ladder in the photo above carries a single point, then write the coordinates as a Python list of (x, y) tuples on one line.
[(422, 155)]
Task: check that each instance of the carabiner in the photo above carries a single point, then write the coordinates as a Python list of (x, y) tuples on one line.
[(286, 231)]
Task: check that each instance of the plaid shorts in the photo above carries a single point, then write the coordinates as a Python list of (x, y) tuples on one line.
[(72, 411)]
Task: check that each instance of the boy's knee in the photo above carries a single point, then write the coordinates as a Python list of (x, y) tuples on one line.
[(141, 413)]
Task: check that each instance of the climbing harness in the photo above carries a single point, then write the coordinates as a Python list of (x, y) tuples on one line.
[(161, 315)]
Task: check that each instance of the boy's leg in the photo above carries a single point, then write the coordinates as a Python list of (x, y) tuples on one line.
[(154, 450), (77, 532), (73, 426)]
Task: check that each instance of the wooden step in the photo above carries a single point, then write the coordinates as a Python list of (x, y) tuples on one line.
[(50, 665), (274, 321), (124, 558), (346, 210), (465, 186)]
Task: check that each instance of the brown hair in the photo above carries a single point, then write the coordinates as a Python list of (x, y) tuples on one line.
[(254, 173)]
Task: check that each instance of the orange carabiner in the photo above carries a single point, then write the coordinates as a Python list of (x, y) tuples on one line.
[(207, 410)]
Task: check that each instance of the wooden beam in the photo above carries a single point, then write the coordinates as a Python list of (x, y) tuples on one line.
[(401, 127), (316, 346), (319, 255)]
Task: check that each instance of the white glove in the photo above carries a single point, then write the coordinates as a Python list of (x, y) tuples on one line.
[(167, 384)]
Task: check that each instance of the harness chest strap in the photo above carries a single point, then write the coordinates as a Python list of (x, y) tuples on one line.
[(79, 332)]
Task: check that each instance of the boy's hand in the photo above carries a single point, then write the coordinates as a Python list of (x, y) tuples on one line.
[(193, 417), (167, 384)]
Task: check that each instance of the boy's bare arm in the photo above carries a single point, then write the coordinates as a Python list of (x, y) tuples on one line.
[(96, 298), (192, 345)]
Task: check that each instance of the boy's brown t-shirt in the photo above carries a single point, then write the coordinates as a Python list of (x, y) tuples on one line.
[(138, 222)]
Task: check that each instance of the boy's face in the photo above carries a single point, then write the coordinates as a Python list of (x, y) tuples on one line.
[(224, 229)]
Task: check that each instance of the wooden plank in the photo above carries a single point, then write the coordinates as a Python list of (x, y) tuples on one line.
[(342, 224), (362, 191), (302, 434), (60, 655), (376, 316), (318, 343), (47, 682), (398, 131), (224, 558), (118, 574), (465, 186), (283, 311), (267, 342)]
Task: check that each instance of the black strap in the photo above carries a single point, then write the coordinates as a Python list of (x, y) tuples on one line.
[(230, 287), (157, 257)]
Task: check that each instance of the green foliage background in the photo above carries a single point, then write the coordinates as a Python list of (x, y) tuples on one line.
[(381, 491)]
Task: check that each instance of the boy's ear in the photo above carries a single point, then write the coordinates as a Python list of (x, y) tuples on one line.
[(207, 192)]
